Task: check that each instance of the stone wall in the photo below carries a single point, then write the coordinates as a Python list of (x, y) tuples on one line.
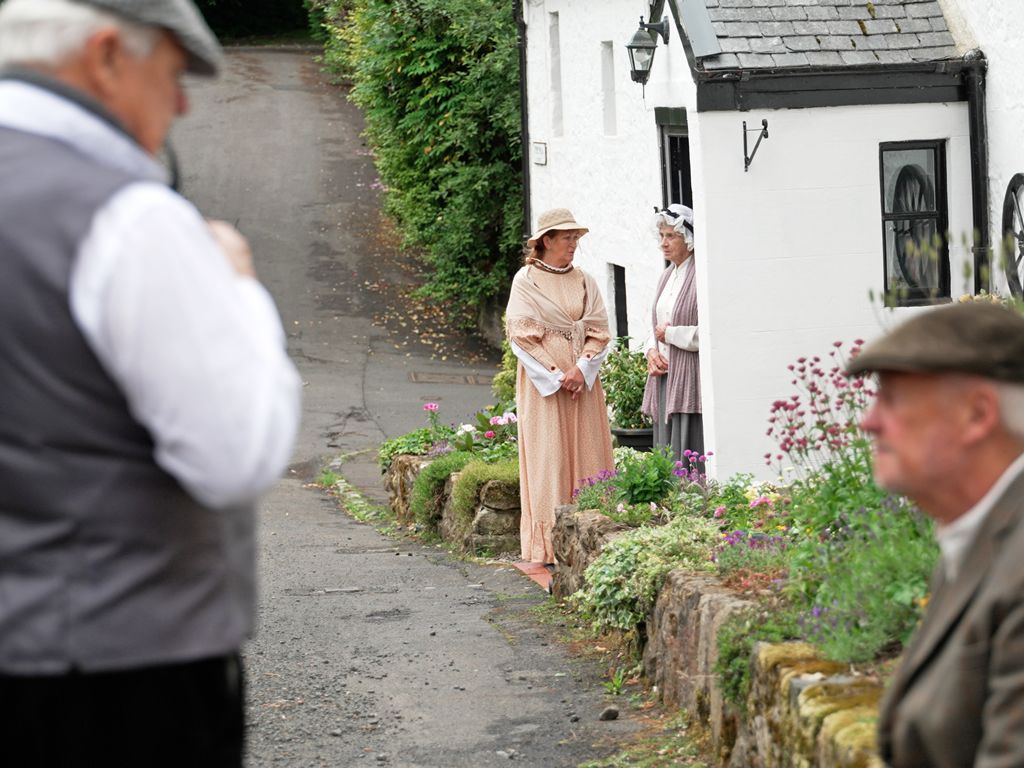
[(802, 711), (398, 482), (493, 527), (578, 538)]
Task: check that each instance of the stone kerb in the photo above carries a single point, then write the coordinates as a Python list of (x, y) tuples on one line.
[(494, 525), (802, 711)]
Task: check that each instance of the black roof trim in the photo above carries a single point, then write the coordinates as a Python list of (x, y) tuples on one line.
[(743, 90)]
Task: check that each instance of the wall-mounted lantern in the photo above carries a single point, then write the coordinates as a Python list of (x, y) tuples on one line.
[(641, 48)]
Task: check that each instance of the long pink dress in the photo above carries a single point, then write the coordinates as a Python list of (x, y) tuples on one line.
[(561, 441)]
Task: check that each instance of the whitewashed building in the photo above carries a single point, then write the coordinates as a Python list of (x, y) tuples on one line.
[(879, 135)]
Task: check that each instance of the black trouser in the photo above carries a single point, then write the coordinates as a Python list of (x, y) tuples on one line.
[(176, 716)]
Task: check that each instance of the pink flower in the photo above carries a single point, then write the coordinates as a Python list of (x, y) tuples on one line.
[(720, 511), (496, 420), (431, 407), (489, 433)]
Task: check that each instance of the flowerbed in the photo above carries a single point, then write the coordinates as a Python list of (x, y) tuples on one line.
[(824, 554)]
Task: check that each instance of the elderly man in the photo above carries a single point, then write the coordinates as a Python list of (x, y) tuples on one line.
[(146, 400), (948, 430)]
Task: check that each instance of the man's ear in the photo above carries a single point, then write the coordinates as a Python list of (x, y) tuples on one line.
[(980, 411), (102, 62)]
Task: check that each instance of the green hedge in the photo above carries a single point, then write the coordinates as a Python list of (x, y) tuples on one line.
[(438, 81)]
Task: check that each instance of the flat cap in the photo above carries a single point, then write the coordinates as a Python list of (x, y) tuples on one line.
[(974, 337), (179, 17)]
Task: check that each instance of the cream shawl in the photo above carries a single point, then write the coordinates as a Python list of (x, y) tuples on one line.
[(529, 308)]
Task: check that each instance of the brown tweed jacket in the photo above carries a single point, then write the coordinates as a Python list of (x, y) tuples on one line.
[(957, 700)]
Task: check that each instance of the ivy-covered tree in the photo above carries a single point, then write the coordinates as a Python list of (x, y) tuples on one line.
[(438, 83)]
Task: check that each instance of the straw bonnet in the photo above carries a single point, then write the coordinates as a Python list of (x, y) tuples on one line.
[(975, 337), (556, 218), (179, 17)]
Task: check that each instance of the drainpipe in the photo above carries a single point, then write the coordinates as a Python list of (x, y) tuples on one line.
[(975, 66), (517, 6)]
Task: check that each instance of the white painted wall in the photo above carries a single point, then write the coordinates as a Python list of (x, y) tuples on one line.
[(997, 27), (791, 249), (786, 253)]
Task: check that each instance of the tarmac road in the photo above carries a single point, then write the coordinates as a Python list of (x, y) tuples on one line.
[(370, 650)]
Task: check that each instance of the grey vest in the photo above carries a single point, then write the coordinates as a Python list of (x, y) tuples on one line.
[(105, 562)]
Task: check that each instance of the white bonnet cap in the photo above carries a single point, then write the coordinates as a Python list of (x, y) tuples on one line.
[(679, 217)]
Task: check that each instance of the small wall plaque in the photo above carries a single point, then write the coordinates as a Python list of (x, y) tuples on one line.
[(540, 153)]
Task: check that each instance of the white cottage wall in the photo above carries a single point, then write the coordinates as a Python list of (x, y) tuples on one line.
[(792, 249), (997, 27), (609, 179)]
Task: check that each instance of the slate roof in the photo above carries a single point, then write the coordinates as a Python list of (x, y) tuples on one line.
[(773, 34)]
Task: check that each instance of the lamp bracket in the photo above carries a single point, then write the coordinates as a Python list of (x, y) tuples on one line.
[(763, 131), (660, 28)]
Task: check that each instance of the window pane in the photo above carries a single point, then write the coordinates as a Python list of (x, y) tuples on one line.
[(908, 177), (913, 249)]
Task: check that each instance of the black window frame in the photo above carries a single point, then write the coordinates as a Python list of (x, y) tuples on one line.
[(910, 297)]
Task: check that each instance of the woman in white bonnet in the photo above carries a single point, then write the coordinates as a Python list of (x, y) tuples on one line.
[(672, 395)]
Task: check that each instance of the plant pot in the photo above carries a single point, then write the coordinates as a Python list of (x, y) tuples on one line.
[(639, 439)]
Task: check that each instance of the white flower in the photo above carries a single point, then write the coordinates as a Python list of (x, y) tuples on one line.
[(465, 429)]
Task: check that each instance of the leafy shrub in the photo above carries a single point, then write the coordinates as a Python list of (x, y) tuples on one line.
[(416, 443), (438, 81), (623, 378), (504, 385), (425, 499), (874, 587), (648, 477), (623, 582)]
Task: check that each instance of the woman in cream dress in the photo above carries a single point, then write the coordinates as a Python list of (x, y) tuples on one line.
[(558, 327)]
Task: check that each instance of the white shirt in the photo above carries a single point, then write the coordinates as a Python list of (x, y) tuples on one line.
[(684, 337), (197, 349), (956, 537)]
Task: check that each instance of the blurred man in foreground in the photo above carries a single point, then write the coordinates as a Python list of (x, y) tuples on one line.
[(146, 400), (948, 430)]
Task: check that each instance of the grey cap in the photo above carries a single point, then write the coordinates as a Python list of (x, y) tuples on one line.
[(974, 337), (179, 17)]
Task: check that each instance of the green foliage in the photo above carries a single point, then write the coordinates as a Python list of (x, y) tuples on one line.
[(504, 385), (438, 83), (493, 436), (623, 377), (328, 478), (736, 640), (873, 582), (425, 499), (623, 582), (415, 443), (473, 475), (616, 683), (648, 477)]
